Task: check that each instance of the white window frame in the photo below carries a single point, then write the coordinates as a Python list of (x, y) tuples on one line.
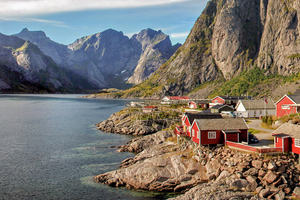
[(212, 135), (297, 143), (285, 107), (190, 129)]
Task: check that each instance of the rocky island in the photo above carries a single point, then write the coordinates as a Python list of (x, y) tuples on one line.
[(164, 164)]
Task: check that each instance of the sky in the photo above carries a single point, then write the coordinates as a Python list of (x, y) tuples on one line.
[(64, 21)]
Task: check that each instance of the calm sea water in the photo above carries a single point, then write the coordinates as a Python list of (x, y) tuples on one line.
[(50, 149)]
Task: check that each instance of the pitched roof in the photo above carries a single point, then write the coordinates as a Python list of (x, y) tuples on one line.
[(258, 104), (202, 115), (292, 130), (235, 97), (221, 106), (221, 124)]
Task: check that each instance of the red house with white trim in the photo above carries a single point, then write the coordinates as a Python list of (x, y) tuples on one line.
[(229, 100), (174, 99), (194, 104), (287, 137), (218, 131), (188, 119), (288, 104)]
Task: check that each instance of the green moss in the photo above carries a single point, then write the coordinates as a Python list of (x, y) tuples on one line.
[(23, 47), (294, 56), (247, 82)]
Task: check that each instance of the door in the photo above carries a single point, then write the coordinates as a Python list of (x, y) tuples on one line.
[(232, 137)]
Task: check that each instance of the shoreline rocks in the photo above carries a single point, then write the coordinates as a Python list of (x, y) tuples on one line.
[(125, 122), (164, 166)]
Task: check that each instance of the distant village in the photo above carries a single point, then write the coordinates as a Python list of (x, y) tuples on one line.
[(225, 120)]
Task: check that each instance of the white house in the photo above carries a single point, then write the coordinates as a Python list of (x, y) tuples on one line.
[(255, 108)]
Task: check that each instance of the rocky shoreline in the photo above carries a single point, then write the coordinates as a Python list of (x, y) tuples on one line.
[(127, 122), (163, 165)]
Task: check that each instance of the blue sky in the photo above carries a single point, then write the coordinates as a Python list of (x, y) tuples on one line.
[(66, 20)]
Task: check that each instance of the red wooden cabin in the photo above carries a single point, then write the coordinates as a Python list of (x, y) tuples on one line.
[(188, 119), (229, 100), (287, 137), (202, 103), (288, 104), (218, 131)]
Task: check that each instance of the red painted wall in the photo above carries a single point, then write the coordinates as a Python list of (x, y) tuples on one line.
[(294, 148), (197, 132), (282, 112), (218, 100), (278, 142), (219, 138), (287, 144), (233, 137), (187, 124)]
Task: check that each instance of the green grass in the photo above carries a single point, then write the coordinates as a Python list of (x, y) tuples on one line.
[(248, 82), (254, 131)]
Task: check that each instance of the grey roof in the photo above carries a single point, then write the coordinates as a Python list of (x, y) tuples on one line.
[(221, 106), (235, 97), (258, 104), (295, 98), (292, 130), (221, 124), (202, 115)]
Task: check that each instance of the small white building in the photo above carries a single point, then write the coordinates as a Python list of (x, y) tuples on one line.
[(255, 108)]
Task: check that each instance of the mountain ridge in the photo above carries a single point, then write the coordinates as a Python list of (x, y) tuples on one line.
[(229, 38), (108, 58)]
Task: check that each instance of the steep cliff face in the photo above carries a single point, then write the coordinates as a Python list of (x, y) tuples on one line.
[(280, 48), (156, 50), (230, 37)]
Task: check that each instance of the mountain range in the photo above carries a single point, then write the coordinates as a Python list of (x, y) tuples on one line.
[(235, 47), (32, 62)]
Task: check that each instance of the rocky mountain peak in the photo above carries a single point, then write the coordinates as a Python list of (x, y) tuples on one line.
[(30, 35), (149, 36)]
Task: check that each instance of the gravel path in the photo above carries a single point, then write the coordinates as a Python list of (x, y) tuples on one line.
[(265, 137)]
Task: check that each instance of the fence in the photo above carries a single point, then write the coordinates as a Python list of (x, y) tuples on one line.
[(260, 150)]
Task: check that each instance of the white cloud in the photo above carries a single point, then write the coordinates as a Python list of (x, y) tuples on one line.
[(14, 8), (31, 19), (179, 35)]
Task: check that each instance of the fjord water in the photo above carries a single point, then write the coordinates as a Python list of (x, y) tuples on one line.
[(50, 149)]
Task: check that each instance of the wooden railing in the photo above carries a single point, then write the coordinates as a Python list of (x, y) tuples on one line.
[(260, 150)]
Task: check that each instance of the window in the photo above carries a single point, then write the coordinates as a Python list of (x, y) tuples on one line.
[(193, 133), (212, 135), (285, 107), (297, 142)]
